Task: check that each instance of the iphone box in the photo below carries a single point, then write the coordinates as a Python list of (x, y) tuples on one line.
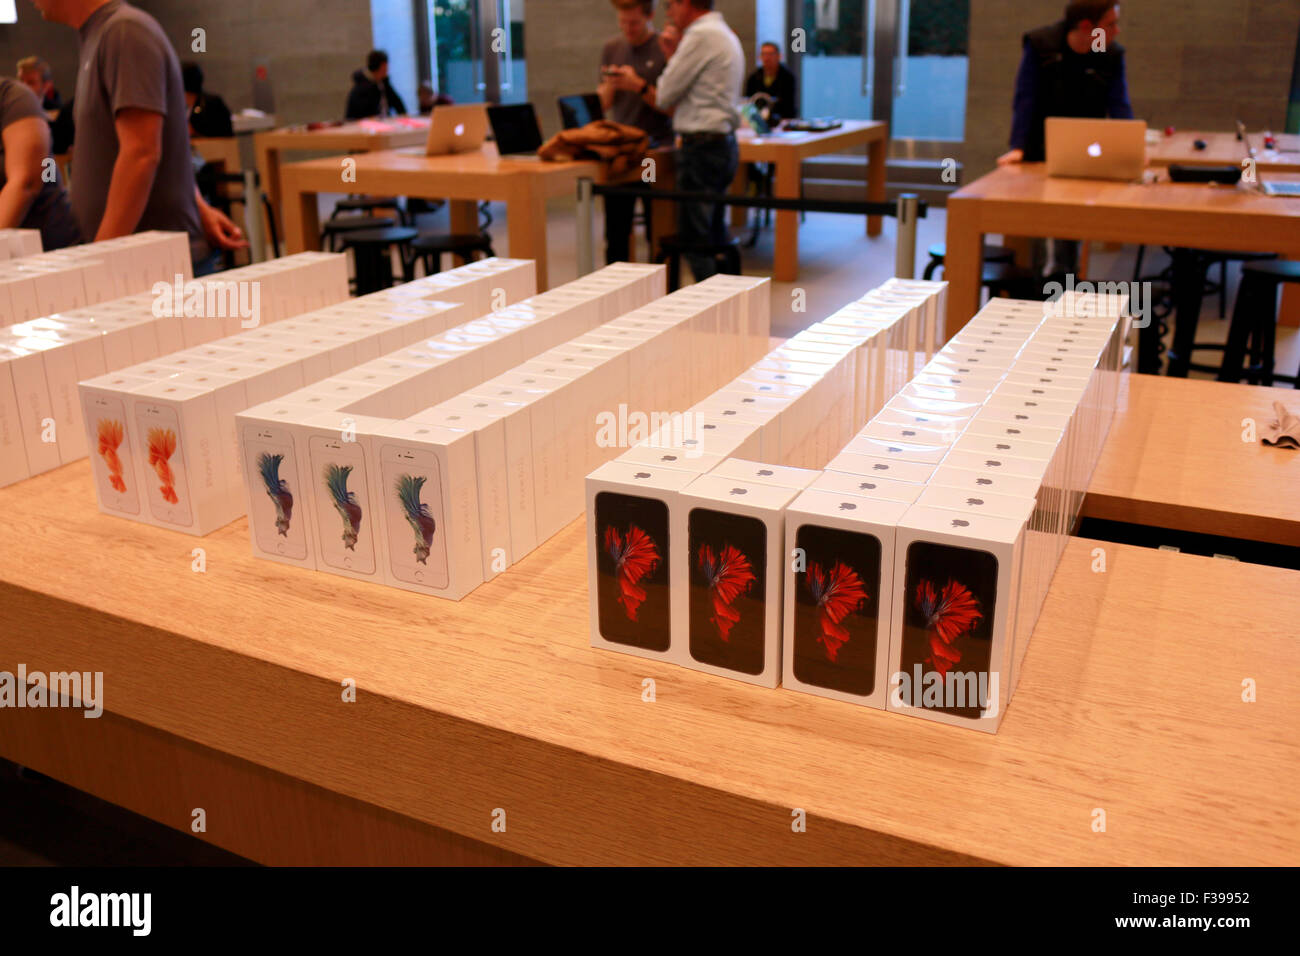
[(909, 434), (340, 471), (913, 472), (118, 459), (766, 424), (954, 615), (838, 589), (674, 458), (890, 450), (630, 555), (425, 496), (276, 482), (13, 450), (175, 427), (757, 472), (867, 486), (26, 364), (979, 482), (728, 555), (997, 464)]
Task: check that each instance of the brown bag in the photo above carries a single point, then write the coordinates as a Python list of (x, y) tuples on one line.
[(618, 146)]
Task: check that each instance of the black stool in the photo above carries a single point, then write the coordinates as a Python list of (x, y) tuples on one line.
[(1212, 257), (428, 249), (1254, 325), (368, 204), (374, 263), (1013, 281), (996, 254), (671, 249), (336, 230)]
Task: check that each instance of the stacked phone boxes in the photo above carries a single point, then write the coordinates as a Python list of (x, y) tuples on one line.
[(929, 544), (449, 496), (163, 432), (42, 360), (686, 530), (16, 243), (49, 282)]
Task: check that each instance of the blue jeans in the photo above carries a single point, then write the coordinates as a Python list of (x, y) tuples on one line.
[(704, 165)]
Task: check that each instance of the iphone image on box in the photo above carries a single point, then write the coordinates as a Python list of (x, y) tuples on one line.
[(340, 469), (278, 506), (632, 582), (417, 547), (837, 609), (728, 589), (114, 468), (948, 597), (167, 487)]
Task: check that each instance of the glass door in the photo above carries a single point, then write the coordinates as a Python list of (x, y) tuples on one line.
[(477, 50)]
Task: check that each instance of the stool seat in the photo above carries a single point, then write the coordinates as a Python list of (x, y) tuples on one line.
[(332, 229), (1279, 270), (364, 203), (384, 236), (1253, 328), (428, 247), (938, 252), (374, 263)]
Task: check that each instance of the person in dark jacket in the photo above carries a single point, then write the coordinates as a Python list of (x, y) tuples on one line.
[(209, 114), (1072, 67), (372, 94), (775, 79)]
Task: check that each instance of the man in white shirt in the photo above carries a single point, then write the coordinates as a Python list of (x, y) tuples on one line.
[(700, 87)]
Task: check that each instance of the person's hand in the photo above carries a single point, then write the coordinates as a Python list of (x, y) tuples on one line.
[(626, 79), (220, 230), (1011, 156)]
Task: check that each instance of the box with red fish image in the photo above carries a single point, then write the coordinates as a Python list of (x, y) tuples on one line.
[(952, 630), (629, 562), (728, 555), (424, 498), (838, 588)]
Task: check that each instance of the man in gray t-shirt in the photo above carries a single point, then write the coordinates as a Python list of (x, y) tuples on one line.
[(34, 199), (629, 63), (132, 169)]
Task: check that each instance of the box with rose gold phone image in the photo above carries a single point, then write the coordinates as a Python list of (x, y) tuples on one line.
[(630, 558), (339, 474), (727, 549), (116, 457), (424, 495), (838, 592), (953, 618)]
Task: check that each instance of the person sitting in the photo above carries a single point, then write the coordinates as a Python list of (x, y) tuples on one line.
[(29, 199), (372, 94), (35, 74), (775, 79), (209, 114), (429, 99)]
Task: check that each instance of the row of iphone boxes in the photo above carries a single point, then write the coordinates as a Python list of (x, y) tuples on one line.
[(16, 243), (716, 605), (42, 360), (453, 494), (201, 389), (77, 276)]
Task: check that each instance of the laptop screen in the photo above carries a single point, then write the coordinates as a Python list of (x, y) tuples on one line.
[(515, 128)]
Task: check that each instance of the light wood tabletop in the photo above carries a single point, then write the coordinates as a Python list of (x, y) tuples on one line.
[(787, 151), (1224, 149), (1130, 702), (1176, 459), (464, 179)]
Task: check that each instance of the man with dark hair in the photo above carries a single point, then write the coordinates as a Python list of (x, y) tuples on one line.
[(630, 61), (209, 114), (700, 87), (1072, 67), (372, 94), (775, 79)]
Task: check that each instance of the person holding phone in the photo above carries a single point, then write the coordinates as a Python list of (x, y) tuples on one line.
[(628, 62)]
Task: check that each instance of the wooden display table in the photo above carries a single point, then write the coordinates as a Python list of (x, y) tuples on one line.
[(464, 179), (1224, 149)]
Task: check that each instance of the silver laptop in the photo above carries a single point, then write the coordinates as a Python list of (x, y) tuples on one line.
[(456, 129), (1096, 148)]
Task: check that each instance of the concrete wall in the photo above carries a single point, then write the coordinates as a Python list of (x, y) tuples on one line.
[(564, 38), (1191, 63), (55, 43)]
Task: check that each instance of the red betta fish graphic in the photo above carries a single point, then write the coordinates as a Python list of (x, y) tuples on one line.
[(948, 614), (838, 592), (634, 556), (729, 575)]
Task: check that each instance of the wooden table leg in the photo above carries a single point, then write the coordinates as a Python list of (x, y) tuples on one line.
[(785, 261), (268, 171), (526, 212), (877, 156), (464, 220), (962, 264), (301, 221), (739, 183)]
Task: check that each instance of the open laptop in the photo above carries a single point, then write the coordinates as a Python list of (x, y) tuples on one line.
[(456, 129), (516, 130), (1096, 148)]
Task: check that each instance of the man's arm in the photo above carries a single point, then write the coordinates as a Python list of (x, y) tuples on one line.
[(681, 72), (26, 144), (395, 104), (1119, 106), (139, 138), (606, 88), (1022, 110)]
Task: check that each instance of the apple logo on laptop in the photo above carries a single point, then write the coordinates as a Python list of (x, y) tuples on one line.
[(460, 129), (1094, 150)]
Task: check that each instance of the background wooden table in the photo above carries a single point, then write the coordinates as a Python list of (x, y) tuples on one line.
[(464, 179), (1176, 459), (223, 691), (1224, 149), (787, 151)]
